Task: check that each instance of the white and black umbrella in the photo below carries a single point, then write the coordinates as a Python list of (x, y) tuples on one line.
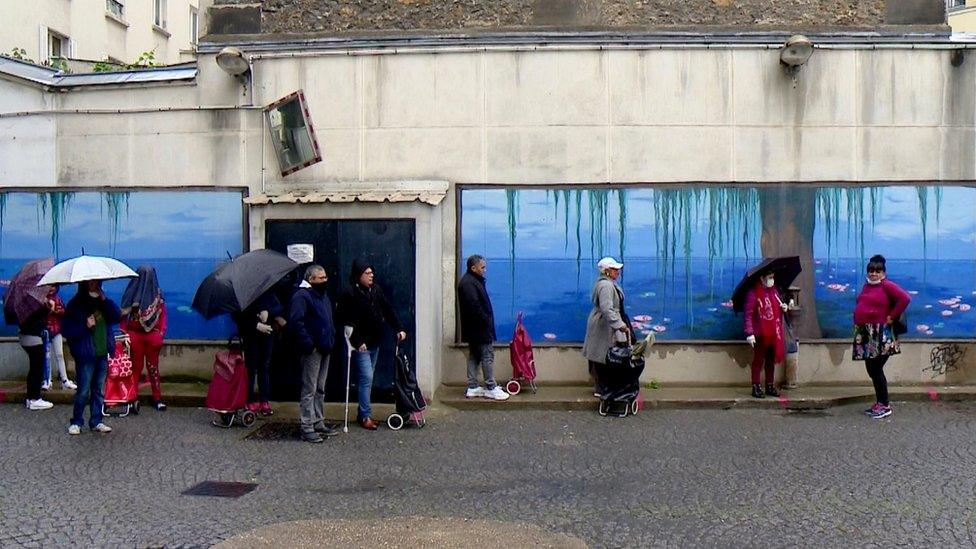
[(86, 267)]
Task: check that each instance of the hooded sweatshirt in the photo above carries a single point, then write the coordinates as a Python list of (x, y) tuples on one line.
[(365, 309)]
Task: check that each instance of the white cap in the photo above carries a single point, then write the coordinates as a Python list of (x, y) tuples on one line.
[(300, 253), (609, 263)]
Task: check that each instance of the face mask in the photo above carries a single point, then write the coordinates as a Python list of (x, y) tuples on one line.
[(874, 282), (769, 282), (319, 287), (93, 294)]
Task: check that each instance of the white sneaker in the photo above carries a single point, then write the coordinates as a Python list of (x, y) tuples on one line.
[(74, 430), (38, 404), (497, 394), (474, 392), (102, 428), (68, 384), (46, 385)]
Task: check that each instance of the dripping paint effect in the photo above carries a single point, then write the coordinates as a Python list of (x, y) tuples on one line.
[(511, 207), (115, 203), (56, 203), (3, 213)]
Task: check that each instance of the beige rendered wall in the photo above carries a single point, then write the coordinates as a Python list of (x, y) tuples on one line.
[(95, 33)]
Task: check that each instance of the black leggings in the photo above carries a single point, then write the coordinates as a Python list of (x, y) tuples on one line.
[(35, 371), (875, 367)]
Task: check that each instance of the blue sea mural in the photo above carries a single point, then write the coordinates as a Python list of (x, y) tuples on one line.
[(686, 247), (184, 234)]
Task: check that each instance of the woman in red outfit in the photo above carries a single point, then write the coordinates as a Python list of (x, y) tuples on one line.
[(763, 325), (880, 302), (144, 321)]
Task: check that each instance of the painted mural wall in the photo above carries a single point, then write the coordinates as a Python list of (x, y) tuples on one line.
[(686, 247), (183, 234)]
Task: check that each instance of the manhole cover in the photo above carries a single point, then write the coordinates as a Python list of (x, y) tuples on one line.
[(220, 489)]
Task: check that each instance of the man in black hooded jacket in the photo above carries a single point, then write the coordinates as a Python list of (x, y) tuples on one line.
[(364, 307), (478, 329)]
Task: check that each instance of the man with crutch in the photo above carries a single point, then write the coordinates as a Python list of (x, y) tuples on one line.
[(310, 318)]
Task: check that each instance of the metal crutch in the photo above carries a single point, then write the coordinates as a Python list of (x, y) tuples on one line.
[(347, 331)]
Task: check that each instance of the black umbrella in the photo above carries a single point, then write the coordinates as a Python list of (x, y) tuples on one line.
[(237, 284), (786, 269)]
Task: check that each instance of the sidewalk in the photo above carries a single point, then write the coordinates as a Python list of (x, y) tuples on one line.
[(192, 395)]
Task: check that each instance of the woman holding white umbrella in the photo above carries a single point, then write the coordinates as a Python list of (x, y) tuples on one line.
[(88, 326)]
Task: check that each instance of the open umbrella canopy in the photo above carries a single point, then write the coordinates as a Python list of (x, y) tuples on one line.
[(86, 267), (24, 297), (786, 269), (237, 284)]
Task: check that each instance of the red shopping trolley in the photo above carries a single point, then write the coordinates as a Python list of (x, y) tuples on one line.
[(121, 383)]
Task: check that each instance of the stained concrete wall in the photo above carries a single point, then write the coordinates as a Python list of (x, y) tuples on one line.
[(537, 116)]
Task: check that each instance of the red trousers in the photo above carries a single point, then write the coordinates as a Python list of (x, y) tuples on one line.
[(764, 351), (145, 349)]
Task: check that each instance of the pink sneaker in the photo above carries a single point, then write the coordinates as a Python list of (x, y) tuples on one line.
[(254, 407), (875, 408), (265, 410)]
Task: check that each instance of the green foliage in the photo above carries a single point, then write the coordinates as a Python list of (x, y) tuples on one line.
[(146, 60), (652, 384), (20, 53), (59, 64)]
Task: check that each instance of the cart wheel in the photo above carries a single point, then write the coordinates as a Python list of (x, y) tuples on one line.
[(224, 421), (134, 408), (513, 387), (603, 408), (248, 418), (634, 407), (395, 422)]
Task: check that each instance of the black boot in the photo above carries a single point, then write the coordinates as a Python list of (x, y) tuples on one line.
[(771, 390), (757, 391)]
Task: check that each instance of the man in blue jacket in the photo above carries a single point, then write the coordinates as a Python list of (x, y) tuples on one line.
[(310, 319), (88, 325)]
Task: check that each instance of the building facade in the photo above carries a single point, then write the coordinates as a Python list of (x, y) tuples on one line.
[(688, 155), (118, 31)]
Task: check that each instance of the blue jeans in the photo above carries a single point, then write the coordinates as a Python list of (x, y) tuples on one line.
[(365, 362), (91, 390)]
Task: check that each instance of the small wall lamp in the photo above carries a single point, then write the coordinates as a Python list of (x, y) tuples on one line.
[(233, 61), (796, 51)]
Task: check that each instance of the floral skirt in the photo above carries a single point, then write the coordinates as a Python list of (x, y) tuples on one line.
[(874, 340)]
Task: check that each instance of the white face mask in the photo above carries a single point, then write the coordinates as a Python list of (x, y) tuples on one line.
[(769, 282), (93, 294), (873, 282)]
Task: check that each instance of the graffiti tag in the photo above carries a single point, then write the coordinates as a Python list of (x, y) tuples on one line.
[(944, 359)]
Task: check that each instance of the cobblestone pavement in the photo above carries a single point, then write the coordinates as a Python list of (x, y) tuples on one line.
[(663, 478)]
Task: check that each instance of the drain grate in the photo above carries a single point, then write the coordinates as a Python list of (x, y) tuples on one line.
[(219, 489), (807, 412), (276, 430)]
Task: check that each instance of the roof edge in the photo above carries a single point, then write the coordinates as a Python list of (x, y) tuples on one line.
[(891, 34)]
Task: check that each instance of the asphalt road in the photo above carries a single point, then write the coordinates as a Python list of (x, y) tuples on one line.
[(676, 478)]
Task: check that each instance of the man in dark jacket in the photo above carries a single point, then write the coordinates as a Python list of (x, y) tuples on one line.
[(478, 329), (310, 319), (88, 326), (365, 309)]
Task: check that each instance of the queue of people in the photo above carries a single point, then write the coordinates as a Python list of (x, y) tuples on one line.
[(307, 320)]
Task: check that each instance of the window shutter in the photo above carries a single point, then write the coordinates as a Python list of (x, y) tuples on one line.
[(43, 52)]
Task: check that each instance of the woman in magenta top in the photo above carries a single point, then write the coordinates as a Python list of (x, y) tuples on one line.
[(880, 302)]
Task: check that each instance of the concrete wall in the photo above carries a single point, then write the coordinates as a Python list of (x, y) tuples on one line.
[(545, 117)]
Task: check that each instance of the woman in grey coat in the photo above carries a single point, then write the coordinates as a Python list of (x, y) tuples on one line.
[(607, 322)]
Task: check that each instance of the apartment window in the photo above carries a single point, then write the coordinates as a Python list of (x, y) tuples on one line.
[(57, 45), (194, 26), (951, 4), (159, 13), (116, 8)]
